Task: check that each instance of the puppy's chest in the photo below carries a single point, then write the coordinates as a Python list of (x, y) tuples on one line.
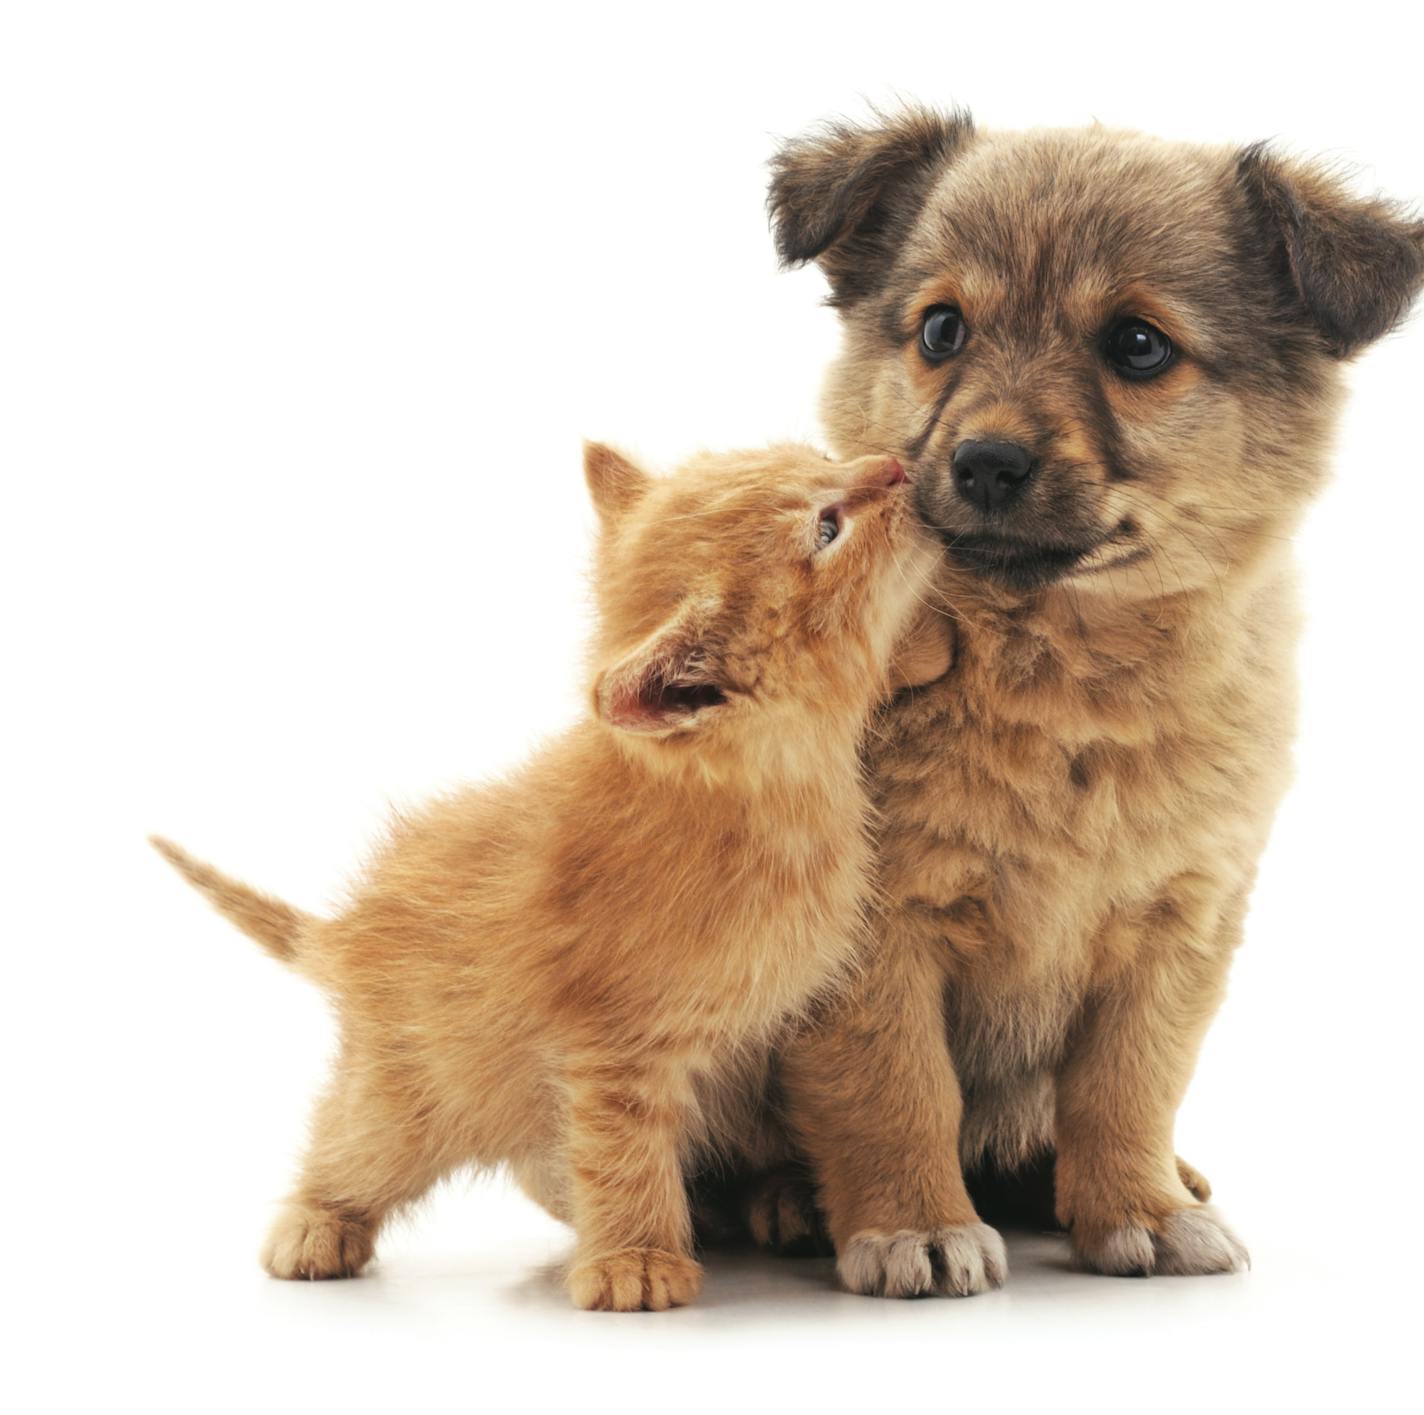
[(1018, 841)]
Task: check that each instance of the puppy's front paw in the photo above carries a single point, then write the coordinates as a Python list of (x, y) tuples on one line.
[(634, 1280), (310, 1242), (950, 1262), (1186, 1242)]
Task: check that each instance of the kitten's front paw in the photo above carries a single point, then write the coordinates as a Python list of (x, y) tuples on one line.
[(950, 1262), (634, 1280), (310, 1242), (1186, 1242)]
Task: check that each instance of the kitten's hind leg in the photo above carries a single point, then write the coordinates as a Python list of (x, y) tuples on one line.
[(369, 1154), (779, 1209)]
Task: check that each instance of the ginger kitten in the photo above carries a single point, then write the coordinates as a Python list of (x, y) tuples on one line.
[(552, 972)]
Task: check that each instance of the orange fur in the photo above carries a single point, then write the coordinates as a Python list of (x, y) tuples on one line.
[(572, 971)]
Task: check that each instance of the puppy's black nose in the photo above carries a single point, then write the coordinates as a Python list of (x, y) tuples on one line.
[(990, 475)]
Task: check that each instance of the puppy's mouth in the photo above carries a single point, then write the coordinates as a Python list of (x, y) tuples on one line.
[(1028, 564)]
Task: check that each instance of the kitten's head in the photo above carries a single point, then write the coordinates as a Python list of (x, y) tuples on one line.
[(748, 592)]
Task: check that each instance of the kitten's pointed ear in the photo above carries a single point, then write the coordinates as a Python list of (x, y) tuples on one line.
[(614, 482), (846, 196), (669, 681), (1354, 265)]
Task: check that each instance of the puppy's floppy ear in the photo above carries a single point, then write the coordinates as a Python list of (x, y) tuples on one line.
[(614, 482), (1354, 265), (844, 196), (668, 681)]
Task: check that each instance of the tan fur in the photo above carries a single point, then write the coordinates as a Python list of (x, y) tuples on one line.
[(578, 970), (1071, 818), (272, 923)]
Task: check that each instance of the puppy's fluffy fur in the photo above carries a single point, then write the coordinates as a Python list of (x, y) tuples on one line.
[(566, 971), (1072, 817)]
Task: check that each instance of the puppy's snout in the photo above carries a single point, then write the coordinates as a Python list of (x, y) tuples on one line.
[(990, 475)]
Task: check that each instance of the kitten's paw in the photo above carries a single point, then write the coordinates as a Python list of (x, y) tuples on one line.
[(781, 1214), (1186, 1242), (633, 1280), (308, 1242), (1193, 1180), (950, 1262)]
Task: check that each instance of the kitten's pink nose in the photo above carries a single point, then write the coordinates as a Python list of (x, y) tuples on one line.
[(886, 472)]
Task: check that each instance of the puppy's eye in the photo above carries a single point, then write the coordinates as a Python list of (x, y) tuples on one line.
[(828, 526), (942, 333), (1137, 349)]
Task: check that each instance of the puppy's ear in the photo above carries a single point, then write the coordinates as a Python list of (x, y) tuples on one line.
[(1353, 264), (844, 196), (669, 681), (614, 482)]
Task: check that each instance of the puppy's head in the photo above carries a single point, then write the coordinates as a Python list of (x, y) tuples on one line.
[(1105, 358), (749, 589)]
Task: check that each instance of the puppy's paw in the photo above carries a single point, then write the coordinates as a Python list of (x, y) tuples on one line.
[(314, 1243), (781, 1214), (948, 1262), (634, 1280), (1186, 1242), (1197, 1241)]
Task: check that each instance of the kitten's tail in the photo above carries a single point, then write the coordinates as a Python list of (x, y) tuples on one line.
[(275, 925)]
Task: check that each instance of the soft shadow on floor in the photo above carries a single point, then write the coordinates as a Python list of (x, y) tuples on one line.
[(733, 1278), (744, 1289)]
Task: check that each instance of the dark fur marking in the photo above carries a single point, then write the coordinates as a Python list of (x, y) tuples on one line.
[(921, 440), (1099, 415)]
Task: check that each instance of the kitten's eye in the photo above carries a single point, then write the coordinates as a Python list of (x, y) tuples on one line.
[(942, 333), (828, 527), (1137, 349)]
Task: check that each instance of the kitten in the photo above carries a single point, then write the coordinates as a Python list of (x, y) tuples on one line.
[(551, 971)]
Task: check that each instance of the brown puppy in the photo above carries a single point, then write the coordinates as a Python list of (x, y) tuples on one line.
[(574, 971), (1113, 364)]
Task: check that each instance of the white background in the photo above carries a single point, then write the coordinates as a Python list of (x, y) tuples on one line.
[(303, 310)]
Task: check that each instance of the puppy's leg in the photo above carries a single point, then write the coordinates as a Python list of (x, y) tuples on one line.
[(630, 1210), (367, 1156), (873, 1097), (1121, 1191)]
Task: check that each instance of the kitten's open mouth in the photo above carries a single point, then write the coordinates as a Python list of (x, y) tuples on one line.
[(685, 697)]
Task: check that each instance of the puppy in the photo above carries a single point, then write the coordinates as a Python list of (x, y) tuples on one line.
[(1113, 365), (565, 971)]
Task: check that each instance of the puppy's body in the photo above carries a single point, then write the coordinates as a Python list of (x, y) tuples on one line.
[(1103, 788), (1114, 363), (573, 970)]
